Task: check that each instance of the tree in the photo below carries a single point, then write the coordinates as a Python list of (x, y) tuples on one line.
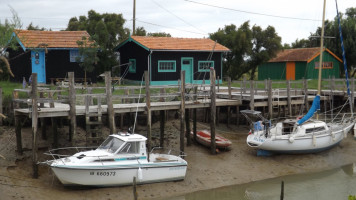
[(34, 28), (6, 31), (87, 55), (107, 30), (140, 31), (249, 47), (159, 34)]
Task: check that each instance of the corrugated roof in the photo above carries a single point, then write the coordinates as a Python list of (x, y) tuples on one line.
[(304, 54), (170, 43), (50, 39)]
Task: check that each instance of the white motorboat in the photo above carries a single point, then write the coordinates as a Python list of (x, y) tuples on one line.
[(119, 159)]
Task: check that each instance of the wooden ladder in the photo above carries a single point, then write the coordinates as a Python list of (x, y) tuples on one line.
[(93, 121)]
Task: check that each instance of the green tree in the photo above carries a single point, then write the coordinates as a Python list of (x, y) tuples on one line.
[(34, 28), (140, 31), (107, 30), (159, 34), (87, 55), (249, 47), (6, 31)]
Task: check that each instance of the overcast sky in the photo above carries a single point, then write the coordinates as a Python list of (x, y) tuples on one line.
[(184, 18)]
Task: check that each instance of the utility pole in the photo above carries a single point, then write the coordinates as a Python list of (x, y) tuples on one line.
[(134, 18)]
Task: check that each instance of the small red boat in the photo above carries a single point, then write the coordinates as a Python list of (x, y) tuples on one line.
[(203, 137)]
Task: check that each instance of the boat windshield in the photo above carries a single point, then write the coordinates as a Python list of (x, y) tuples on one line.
[(112, 144)]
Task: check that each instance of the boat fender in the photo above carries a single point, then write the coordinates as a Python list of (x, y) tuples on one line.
[(291, 139), (345, 133), (333, 136), (273, 137), (139, 174), (314, 140)]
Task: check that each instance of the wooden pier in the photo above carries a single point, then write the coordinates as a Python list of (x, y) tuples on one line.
[(70, 100)]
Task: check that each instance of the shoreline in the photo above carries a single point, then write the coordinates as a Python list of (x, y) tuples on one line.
[(237, 166)]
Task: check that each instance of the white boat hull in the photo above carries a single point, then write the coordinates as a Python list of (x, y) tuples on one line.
[(111, 176), (304, 144)]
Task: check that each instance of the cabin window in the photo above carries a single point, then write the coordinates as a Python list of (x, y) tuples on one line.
[(111, 144), (131, 148), (73, 55), (167, 66), (132, 64), (204, 66), (315, 129)]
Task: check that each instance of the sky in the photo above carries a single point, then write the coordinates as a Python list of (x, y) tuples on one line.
[(183, 18)]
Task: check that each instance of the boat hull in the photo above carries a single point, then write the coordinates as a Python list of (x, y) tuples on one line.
[(118, 176), (299, 145), (204, 138)]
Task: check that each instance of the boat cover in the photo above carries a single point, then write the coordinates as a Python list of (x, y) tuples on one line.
[(315, 107)]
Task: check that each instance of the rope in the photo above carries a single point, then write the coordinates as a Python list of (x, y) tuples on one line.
[(139, 97)]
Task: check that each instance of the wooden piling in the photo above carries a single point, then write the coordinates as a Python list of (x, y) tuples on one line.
[(72, 108), (135, 188), (305, 88), (289, 99), (18, 126), (182, 110), (1, 110), (270, 102), (34, 116), (187, 127), (212, 111), (195, 115), (162, 116), (148, 108), (228, 108), (282, 190), (252, 96), (111, 114)]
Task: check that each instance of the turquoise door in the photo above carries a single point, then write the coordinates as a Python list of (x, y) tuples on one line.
[(187, 66), (38, 65)]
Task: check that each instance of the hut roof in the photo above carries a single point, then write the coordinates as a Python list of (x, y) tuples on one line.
[(303, 54), (50, 39)]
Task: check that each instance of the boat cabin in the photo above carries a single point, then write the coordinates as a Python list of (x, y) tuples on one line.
[(125, 143)]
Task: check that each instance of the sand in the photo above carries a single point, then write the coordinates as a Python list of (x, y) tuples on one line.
[(205, 171)]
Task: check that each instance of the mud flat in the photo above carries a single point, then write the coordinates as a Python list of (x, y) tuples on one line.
[(238, 165)]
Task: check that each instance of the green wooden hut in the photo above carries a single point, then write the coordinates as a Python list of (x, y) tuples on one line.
[(294, 64)]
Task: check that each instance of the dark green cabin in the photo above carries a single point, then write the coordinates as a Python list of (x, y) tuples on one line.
[(294, 64)]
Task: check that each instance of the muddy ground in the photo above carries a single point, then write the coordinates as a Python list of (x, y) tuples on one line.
[(205, 171)]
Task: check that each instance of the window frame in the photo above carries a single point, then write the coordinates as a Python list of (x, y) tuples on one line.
[(132, 68), (167, 70), (205, 70)]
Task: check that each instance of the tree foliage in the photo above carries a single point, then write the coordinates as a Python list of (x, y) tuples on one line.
[(249, 47), (348, 26), (107, 30)]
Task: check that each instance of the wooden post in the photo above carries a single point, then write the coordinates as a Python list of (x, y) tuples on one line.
[(148, 107), (1, 111), (34, 116), (252, 96), (270, 102), (282, 190), (305, 87), (237, 115), (289, 99), (134, 188), (187, 127), (218, 83), (212, 111), (162, 119), (18, 126), (229, 108), (111, 114), (182, 110), (72, 108), (195, 115)]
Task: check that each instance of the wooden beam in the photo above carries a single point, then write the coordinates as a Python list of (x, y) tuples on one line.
[(34, 117), (148, 107), (18, 126), (270, 103), (72, 108), (212, 111), (182, 110), (228, 108), (111, 114), (162, 115)]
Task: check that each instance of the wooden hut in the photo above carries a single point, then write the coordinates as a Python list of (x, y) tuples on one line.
[(50, 54), (294, 64), (165, 57)]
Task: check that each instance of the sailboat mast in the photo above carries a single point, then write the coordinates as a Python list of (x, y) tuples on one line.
[(321, 49)]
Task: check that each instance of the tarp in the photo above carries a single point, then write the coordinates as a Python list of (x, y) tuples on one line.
[(315, 107)]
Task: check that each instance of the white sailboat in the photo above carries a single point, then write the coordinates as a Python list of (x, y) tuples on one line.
[(305, 135), (119, 159)]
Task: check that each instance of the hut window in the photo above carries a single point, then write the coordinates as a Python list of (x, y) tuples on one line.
[(204, 66), (132, 68), (73, 55), (167, 66)]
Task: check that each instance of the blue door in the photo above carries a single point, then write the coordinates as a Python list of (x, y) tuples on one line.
[(187, 66), (38, 65)]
